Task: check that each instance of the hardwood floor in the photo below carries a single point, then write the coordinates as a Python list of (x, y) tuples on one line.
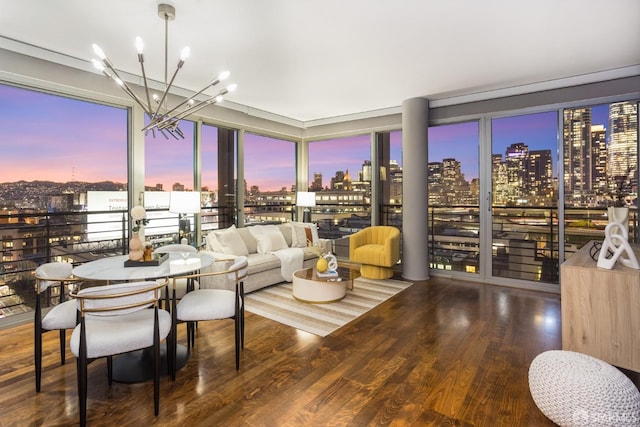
[(442, 352)]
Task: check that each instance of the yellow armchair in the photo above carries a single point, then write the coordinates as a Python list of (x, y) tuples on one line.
[(377, 249)]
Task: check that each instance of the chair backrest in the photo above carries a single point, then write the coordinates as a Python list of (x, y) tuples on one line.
[(52, 273), (176, 247), (118, 299), (238, 269), (380, 233)]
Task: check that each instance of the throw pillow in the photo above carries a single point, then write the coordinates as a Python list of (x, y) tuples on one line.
[(213, 244), (286, 230), (269, 238), (249, 241), (231, 242), (304, 234)]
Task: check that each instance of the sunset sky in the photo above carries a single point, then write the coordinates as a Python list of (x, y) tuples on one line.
[(46, 137)]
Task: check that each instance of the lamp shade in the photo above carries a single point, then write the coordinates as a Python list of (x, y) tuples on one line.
[(306, 198), (184, 202)]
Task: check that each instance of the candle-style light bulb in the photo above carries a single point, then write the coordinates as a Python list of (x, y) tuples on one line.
[(98, 51), (185, 53)]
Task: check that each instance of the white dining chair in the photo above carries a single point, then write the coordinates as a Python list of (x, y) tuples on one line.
[(117, 319), (212, 304), (62, 316)]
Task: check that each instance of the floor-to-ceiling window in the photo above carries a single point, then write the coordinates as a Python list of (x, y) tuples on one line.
[(269, 178), (453, 189), (169, 165), (209, 178), (389, 152), (524, 192), (63, 182), (340, 175), (600, 159)]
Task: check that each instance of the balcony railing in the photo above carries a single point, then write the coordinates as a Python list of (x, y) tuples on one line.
[(525, 242)]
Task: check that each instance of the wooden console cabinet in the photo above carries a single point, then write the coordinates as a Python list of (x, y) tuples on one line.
[(601, 309)]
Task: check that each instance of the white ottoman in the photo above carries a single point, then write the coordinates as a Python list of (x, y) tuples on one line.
[(574, 389)]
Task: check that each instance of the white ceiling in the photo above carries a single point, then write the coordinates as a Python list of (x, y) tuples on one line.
[(309, 60)]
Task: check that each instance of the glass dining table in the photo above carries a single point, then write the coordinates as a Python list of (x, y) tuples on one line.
[(137, 366)]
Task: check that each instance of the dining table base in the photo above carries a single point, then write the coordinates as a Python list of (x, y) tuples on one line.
[(137, 366)]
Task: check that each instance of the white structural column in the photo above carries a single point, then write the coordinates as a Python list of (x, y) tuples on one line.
[(415, 124)]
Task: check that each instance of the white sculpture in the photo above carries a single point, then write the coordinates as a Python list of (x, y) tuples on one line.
[(332, 262), (619, 246)]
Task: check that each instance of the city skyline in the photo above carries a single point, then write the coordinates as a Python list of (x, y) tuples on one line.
[(87, 142)]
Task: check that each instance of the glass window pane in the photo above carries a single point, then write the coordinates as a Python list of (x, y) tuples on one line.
[(524, 189), (209, 178), (341, 170), (61, 158), (600, 152), (169, 166), (454, 187), (269, 178)]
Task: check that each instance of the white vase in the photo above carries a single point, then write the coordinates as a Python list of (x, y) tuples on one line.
[(619, 215)]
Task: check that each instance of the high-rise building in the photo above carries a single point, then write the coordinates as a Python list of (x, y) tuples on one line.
[(599, 158), (577, 155), (622, 148), (316, 185)]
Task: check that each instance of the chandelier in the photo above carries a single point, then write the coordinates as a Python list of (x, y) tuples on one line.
[(162, 118)]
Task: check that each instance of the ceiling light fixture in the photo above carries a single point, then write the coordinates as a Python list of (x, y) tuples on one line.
[(160, 116)]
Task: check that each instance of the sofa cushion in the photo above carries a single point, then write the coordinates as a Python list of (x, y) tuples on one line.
[(231, 242), (249, 241), (286, 230), (304, 234), (269, 238), (262, 262)]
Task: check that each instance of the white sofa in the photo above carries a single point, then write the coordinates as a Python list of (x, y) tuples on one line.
[(259, 243)]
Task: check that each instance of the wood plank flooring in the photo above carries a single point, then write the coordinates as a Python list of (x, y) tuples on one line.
[(442, 352)]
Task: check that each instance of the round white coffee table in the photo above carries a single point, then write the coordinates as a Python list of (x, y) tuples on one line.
[(308, 287)]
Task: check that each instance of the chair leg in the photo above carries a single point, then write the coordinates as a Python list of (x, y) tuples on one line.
[(82, 389), (156, 364), (191, 334), (242, 313), (63, 346), (242, 326), (82, 377), (174, 354), (38, 358), (110, 369), (237, 337)]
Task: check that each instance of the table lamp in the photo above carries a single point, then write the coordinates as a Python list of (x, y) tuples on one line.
[(184, 203), (306, 199)]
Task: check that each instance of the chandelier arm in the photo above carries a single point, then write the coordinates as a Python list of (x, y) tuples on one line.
[(211, 84), (166, 91), (124, 85), (167, 121), (144, 79)]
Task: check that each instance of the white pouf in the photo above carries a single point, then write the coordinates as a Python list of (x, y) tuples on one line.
[(574, 389)]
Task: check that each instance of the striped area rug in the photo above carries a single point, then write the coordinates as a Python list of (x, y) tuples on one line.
[(277, 303)]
